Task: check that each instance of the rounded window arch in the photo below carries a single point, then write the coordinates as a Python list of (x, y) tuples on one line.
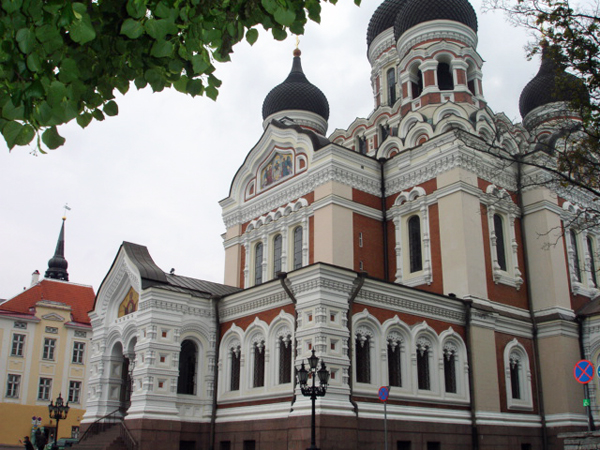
[(188, 363), (416, 80), (517, 376)]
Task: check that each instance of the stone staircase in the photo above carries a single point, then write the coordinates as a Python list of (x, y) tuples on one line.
[(109, 439)]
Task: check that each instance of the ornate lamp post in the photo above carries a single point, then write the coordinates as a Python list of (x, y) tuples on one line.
[(58, 411), (313, 391)]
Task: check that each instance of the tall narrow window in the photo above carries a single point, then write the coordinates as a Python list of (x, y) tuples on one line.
[(259, 364), (74, 391), (576, 265), (49, 346), (235, 368), (258, 263), (515, 381), (12, 386), (414, 244), (391, 85), (276, 255), (363, 358), (500, 245), (450, 368), (423, 349), (44, 389), (297, 247), (445, 79), (78, 351), (592, 253), (417, 85), (362, 145), (17, 345), (394, 363), (188, 357), (285, 359)]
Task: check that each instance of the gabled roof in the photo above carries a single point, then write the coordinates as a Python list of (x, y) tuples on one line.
[(79, 297)]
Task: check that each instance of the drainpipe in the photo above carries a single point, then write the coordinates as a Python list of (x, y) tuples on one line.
[(586, 388), (358, 284), (474, 430), (284, 284), (536, 349), (384, 226), (213, 417)]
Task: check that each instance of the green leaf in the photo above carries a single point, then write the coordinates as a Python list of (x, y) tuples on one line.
[(111, 109), (285, 17), (10, 6), (270, 5), (98, 115), (52, 139), (279, 34), (81, 30), (84, 119), (162, 49), (212, 92), (140, 83), (252, 36), (26, 40), (10, 112), (56, 93), (159, 29), (16, 133), (34, 63), (133, 29), (195, 87), (136, 8), (200, 64), (68, 71), (181, 84)]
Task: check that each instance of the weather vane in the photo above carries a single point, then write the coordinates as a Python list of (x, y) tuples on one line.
[(67, 208), (297, 41)]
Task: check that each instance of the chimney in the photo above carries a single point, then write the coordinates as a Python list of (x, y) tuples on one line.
[(35, 277)]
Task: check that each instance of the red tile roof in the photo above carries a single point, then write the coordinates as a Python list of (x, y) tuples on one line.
[(79, 297)]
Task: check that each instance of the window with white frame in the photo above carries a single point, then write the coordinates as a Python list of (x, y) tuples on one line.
[(423, 364), (188, 361), (18, 343), (284, 343), (258, 353), (450, 361), (501, 215), (410, 214), (13, 384), (592, 254), (391, 86), (394, 356), (235, 356), (74, 391), (45, 389), (78, 352), (362, 349), (49, 348), (277, 241), (582, 257), (517, 377)]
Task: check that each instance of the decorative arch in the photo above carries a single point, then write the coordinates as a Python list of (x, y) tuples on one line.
[(517, 376), (366, 338), (425, 357), (397, 344)]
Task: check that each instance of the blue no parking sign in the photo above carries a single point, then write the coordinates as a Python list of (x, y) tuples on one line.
[(583, 371), (384, 393)]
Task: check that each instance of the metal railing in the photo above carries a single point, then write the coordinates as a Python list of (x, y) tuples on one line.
[(108, 421)]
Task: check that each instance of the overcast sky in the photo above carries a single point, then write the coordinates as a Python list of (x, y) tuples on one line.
[(154, 174)]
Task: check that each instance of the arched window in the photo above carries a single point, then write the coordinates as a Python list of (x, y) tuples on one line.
[(285, 359), (391, 85), (500, 242), (450, 368), (592, 255), (362, 145), (414, 244), (394, 362), (575, 249), (444, 76), (258, 263), (277, 255), (297, 247), (188, 357), (363, 358), (235, 355), (417, 84), (259, 364), (423, 375), (518, 377)]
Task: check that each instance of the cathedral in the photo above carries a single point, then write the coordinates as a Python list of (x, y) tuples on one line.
[(405, 251)]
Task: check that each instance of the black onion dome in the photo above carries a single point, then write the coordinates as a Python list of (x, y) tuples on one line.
[(551, 84), (383, 18), (415, 12), (296, 92)]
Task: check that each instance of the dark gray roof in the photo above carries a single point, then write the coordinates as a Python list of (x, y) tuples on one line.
[(296, 92), (140, 256), (415, 12), (57, 265), (383, 18), (551, 84), (198, 288)]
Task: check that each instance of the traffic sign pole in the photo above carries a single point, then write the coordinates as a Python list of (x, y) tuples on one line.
[(384, 392)]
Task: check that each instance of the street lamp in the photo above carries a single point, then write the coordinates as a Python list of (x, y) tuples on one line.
[(313, 391), (58, 411)]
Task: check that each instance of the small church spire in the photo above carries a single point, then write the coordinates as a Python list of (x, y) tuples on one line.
[(57, 265)]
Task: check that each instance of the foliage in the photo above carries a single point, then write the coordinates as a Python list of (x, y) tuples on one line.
[(570, 36), (62, 60)]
